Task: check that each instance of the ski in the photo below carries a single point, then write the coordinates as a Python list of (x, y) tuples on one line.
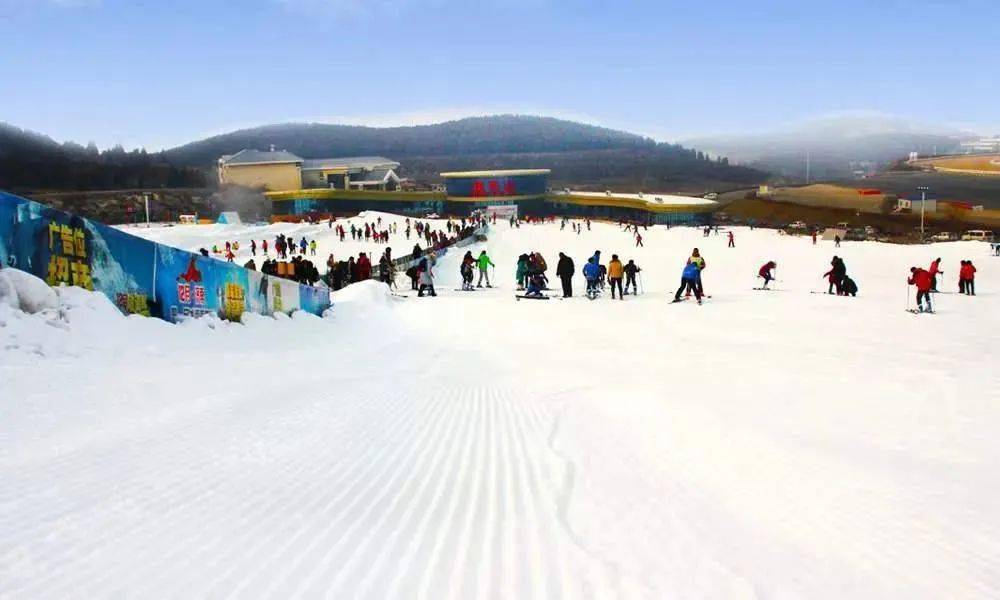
[(919, 312), (532, 297)]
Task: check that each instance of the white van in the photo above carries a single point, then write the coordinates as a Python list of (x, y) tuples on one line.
[(978, 235)]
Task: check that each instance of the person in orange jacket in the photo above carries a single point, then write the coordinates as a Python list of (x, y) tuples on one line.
[(616, 271), (922, 280)]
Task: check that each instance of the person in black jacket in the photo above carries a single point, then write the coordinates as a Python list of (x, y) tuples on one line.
[(630, 270), (564, 270)]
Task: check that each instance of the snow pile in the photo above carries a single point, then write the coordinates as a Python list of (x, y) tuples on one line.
[(24, 291)]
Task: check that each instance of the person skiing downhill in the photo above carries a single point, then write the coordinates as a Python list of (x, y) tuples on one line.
[(922, 280), (630, 271), (765, 272), (616, 271), (689, 282), (484, 263)]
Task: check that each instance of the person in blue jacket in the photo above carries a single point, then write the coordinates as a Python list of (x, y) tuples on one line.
[(592, 272), (689, 281)]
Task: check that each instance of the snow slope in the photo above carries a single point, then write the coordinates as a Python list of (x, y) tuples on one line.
[(764, 445)]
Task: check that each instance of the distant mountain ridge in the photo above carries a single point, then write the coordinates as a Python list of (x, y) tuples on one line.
[(500, 134)]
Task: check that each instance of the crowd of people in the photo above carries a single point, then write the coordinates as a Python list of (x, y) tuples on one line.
[(925, 282)]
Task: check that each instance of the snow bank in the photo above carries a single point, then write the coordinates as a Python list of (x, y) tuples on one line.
[(24, 291)]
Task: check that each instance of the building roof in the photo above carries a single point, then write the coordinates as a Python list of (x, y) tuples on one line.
[(651, 199), (508, 173), (376, 176), (257, 157), (365, 163)]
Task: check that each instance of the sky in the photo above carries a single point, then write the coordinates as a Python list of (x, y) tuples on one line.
[(156, 74)]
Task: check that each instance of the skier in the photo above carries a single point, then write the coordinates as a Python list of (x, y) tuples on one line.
[(564, 270), (521, 272), (484, 263), (765, 272), (732, 240), (835, 275), (465, 269), (263, 246), (312, 248), (535, 285), (922, 280), (615, 273), (426, 276), (814, 237), (689, 281), (592, 272), (253, 247), (935, 270), (638, 240), (699, 260), (630, 270), (836, 241)]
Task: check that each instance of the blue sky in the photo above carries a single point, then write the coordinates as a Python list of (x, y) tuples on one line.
[(156, 74)]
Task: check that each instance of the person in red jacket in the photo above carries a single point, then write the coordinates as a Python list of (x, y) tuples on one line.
[(364, 267), (967, 278), (921, 279), (934, 271), (765, 272)]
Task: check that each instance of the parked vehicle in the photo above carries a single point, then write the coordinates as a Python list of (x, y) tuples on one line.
[(978, 235), (798, 225), (944, 236)]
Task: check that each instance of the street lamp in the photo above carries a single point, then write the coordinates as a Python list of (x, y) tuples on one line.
[(923, 189)]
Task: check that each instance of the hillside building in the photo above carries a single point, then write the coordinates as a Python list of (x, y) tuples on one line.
[(279, 170)]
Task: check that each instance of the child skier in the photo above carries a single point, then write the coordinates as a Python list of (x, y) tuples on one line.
[(592, 272), (630, 271), (484, 263), (922, 280), (765, 272)]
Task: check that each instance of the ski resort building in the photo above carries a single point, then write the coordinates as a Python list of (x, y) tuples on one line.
[(276, 170), (526, 190)]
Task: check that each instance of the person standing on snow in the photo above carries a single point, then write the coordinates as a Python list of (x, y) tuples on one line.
[(484, 263), (935, 270), (967, 279), (814, 237), (616, 271), (765, 272), (922, 280), (630, 270), (465, 270), (732, 240), (564, 271), (364, 267), (592, 272), (426, 276), (689, 282), (312, 248), (836, 275), (697, 259), (253, 247), (638, 239)]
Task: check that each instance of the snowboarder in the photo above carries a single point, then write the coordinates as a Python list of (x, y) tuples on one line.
[(922, 280), (630, 271), (616, 271), (484, 263), (765, 272), (564, 270), (689, 282)]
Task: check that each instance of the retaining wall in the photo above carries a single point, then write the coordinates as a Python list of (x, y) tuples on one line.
[(140, 276)]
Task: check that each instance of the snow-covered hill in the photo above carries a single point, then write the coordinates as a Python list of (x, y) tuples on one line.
[(763, 445)]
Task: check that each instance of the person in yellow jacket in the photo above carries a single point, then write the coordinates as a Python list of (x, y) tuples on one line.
[(616, 271)]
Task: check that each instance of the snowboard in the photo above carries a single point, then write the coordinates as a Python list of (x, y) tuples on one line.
[(532, 297)]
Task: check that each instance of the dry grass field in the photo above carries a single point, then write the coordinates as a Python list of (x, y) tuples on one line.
[(989, 163)]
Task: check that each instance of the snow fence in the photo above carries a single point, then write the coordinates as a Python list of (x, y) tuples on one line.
[(140, 276)]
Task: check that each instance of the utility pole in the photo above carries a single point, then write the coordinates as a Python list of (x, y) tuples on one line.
[(145, 197), (923, 200)]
